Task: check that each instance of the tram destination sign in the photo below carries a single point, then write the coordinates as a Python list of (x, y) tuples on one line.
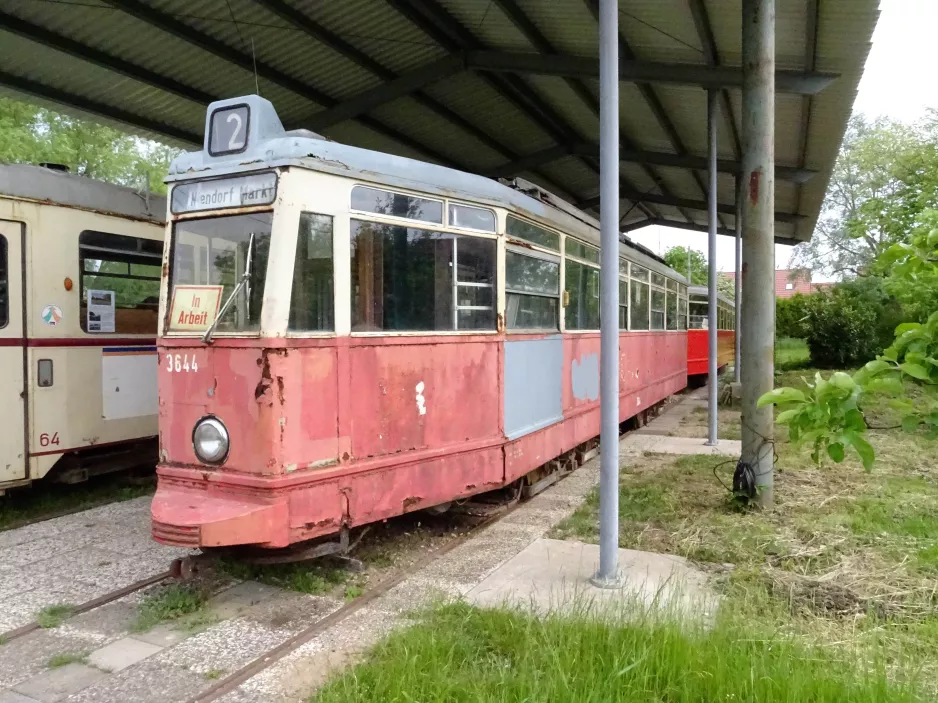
[(244, 191)]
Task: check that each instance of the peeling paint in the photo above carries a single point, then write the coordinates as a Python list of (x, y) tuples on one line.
[(755, 178), (421, 401), (584, 374)]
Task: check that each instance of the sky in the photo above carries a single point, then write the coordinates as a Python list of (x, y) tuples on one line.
[(896, 83)]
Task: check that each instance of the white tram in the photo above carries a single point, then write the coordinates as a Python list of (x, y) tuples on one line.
[(79, 295)]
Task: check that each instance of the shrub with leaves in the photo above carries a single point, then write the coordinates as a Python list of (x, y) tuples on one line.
[(830, 415)]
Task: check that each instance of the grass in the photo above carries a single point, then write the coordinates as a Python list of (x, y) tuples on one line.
[(171, 603), (316, 577), (213, 674), (791, 354), (58, 660), (54, 615), (459, 653), (38, 501)]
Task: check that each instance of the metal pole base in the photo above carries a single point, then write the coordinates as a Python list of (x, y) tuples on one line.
[(609, 584)]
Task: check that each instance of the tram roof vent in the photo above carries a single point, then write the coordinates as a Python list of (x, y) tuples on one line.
[(306, 134)]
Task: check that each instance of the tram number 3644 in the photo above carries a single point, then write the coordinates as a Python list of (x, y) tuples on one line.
[(181, 363)]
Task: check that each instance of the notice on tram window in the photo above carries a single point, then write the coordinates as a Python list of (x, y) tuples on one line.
[(100, 311), (194, 308)]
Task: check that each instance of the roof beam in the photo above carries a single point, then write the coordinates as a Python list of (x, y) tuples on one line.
[(696, 227), (726, 208), (181, 30), (41, 35), (78, 102), (630, 70), (698, 11), (316, 31), (639, 156)]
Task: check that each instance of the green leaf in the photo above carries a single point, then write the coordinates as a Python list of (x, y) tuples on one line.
[(853, 420), (932, 239), (915, 371), (891, 353), (910, 423), (836, 452), (901, 405), (863, 448), (842, 381), (785, 417), (890, 384), (781, 395), (907, 327)]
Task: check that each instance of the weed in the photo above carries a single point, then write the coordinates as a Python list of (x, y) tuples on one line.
[(68, 658), (353, 591), (314, 577), (54, 615), (213, 674), (168, 603)]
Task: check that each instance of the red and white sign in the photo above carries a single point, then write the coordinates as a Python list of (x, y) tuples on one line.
[(194, 307)]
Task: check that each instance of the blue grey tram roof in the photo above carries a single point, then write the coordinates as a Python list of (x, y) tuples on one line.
[(703, 290), (271, 146), (57, 187)]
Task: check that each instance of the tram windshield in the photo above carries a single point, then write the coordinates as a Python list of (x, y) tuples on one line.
[(209, 257)]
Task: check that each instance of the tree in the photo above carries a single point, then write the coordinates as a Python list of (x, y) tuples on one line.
[(30, 134), (885, 177), (676, 258)]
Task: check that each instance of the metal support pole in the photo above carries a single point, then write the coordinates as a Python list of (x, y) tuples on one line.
[(608, 575), (738, 281), (712, 97), (758, 270)]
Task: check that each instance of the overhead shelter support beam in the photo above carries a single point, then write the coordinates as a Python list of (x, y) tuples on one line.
[(703, 205), (709, 77), (758, 269), (712, 318), (640, 156)]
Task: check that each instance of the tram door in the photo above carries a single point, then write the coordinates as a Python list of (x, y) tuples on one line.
[(12, 354)]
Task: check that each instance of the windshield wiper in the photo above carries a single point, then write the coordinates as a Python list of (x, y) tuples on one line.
[(207, 337)]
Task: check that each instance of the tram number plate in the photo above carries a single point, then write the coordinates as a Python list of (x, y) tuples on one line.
[(181, 363)]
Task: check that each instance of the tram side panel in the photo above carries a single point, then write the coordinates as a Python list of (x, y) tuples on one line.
[(86, 390), (12, 350)]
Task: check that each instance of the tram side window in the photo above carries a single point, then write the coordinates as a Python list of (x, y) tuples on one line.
[(672, 309), (4, 284), (384, 202), (640, 301), (698, 312), (532, 291), (623, 304), (120, 283), (658, 305), (583, 289), (682, 313), (532, 233), (407, 279), (312, 304)]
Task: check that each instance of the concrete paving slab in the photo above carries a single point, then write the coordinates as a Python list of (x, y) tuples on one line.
[(661, 444), (102, 625), (125, 652), (163, 635), (553, 575), (234, 601), (14, 697), (57, 684), (146, 682), (291, 611), (23, 658), (226, 646)]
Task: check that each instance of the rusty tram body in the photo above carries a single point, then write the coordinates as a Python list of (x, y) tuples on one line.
[(698, 353), (348, 335)]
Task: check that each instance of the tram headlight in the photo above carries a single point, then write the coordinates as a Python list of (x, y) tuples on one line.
[(210, 440)]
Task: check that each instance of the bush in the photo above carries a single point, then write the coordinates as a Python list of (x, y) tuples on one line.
[(791, 316)]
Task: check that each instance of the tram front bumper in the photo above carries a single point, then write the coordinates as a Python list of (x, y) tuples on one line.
[(191, 517)]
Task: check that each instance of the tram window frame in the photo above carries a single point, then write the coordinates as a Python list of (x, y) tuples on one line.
[(314, 225), (396, 194), (658, 315), (623, 306), (110, 243), (581, 250), (448, 316), (531, 295), (453, 208), (638, 281), (671, 307), (517, 228), (4, 282), (589, 285), (682, 307)]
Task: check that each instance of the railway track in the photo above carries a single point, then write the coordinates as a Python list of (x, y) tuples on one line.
[(231, 682), (94, 603)]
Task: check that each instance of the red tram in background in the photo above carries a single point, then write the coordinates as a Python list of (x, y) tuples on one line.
[(347, 335), (697, 335)]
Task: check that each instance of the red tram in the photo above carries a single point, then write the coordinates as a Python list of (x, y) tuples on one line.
[(347, 335), (697, 336)]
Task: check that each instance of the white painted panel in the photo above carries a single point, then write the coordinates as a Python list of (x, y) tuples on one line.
[(128, 382)]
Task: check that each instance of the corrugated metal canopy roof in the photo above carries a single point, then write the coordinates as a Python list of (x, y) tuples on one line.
[(500, 87)]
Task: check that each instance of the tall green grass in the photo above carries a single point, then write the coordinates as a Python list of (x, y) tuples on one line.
[(460, 653), (791, 353)]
